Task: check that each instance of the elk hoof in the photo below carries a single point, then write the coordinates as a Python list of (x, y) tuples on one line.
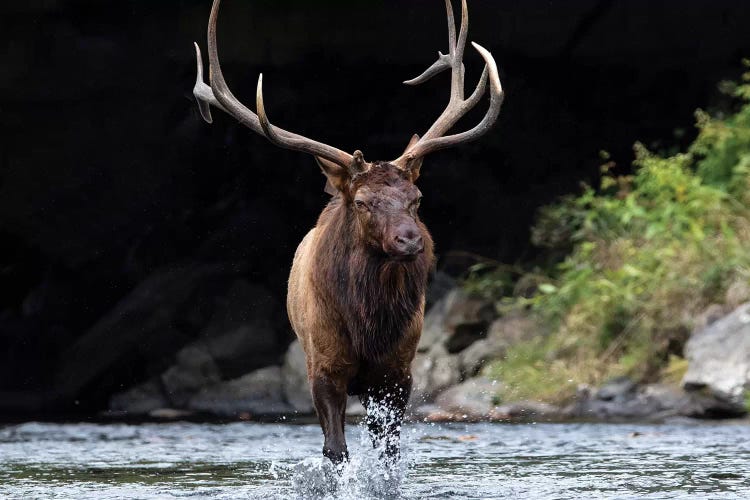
[(336, 455)]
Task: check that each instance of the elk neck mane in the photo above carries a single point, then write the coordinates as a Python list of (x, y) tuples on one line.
[(376, 299)]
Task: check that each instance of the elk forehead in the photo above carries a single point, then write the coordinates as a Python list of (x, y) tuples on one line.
[(386, 186)]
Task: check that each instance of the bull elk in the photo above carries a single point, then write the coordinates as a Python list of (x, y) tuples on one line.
[(357, 285)]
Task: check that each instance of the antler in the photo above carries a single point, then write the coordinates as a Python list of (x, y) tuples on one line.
[(219, 95), (457, 106)]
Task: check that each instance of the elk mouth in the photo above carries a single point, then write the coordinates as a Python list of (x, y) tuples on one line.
[(402, 256), (409, 257)]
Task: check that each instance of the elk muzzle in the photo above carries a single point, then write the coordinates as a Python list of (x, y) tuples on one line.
[(405, 241)]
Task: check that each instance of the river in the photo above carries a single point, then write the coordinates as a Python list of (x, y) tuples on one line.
[(250, 460)]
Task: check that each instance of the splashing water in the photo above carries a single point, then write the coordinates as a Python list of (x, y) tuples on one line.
[(369, 472), (681, 460)]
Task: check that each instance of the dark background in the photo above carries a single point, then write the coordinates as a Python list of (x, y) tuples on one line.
[(126, 222)]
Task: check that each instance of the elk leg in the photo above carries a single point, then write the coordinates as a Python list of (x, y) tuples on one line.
[(385, 407), (330, 404)]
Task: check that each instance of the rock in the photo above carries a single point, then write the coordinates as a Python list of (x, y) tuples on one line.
[(621, 399), (709, 315), (294, 379), (446, 371), (421, 368), (737, 293), (618, 389), (432, 372), (456, 321), (194, 370), (474, 398), (241, 335), (440, 285), (719, 360), (169, 413), (430, 413), (526, 410), (257, 393), (477, 354), (147, 325), (503, 333), (139, 400), (236, 335)]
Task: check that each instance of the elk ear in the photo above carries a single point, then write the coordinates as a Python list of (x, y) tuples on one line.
[(336, 176)]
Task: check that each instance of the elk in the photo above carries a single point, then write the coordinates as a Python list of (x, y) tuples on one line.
[(356, 292)]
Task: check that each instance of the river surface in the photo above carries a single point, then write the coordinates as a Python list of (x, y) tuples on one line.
[(249, 460)]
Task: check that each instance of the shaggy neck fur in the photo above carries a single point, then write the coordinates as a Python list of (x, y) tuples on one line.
[(376, 298)]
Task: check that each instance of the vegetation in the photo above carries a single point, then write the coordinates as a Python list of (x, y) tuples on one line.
[(644, 254)]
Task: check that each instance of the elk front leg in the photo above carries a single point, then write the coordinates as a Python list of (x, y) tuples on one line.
[(329, 399), (385, 405)]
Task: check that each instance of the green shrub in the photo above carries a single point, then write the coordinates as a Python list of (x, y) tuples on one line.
[(645, 254)]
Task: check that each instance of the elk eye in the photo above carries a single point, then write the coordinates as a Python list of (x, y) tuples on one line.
[(360, 204)]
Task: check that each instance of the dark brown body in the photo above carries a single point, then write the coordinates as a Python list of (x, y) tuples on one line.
[(358, 314)]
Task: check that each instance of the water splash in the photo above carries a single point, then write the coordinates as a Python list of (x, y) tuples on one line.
[(369, 473)]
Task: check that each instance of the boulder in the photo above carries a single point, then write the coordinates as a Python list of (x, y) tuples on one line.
[(139, 400), (456, 321), (708, 316), (146, 326), (621, 399), (526, 410), (440, 285), (473, 398), (194, 370), (738, 292), (235, 335), (294, 379), (241, 335), (503, 333), (719, 360), (432, 372), (257, 393)]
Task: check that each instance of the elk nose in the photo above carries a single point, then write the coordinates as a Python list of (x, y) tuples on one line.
[(409, 243)]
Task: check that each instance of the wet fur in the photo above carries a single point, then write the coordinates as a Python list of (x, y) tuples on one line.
[(358, 312), (376, 297)]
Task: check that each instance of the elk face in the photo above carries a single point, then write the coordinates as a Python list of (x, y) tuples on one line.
[(385, 203)]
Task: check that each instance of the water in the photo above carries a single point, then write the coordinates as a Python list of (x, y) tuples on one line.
[(248, 460)]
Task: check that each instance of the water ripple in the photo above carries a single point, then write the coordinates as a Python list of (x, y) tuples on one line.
[(246, 460)]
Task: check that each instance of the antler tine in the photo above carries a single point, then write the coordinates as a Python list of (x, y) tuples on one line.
[(424, 147), (444, 61), (268, 130), (202, 92), (461, 44), (219, 86), (457, 106), (219, 95), (451, 28)]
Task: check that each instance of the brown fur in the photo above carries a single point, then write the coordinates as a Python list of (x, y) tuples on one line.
[(358, 311)]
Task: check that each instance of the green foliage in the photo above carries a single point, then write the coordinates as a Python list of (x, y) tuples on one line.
[(645, 254), (490, 279)]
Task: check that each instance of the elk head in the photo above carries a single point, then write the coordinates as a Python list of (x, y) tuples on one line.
[(382, 195)]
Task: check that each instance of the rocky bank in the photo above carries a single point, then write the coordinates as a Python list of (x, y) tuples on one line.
[(461, 334)]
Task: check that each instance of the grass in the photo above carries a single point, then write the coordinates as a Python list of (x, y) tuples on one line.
[(645, 254)]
